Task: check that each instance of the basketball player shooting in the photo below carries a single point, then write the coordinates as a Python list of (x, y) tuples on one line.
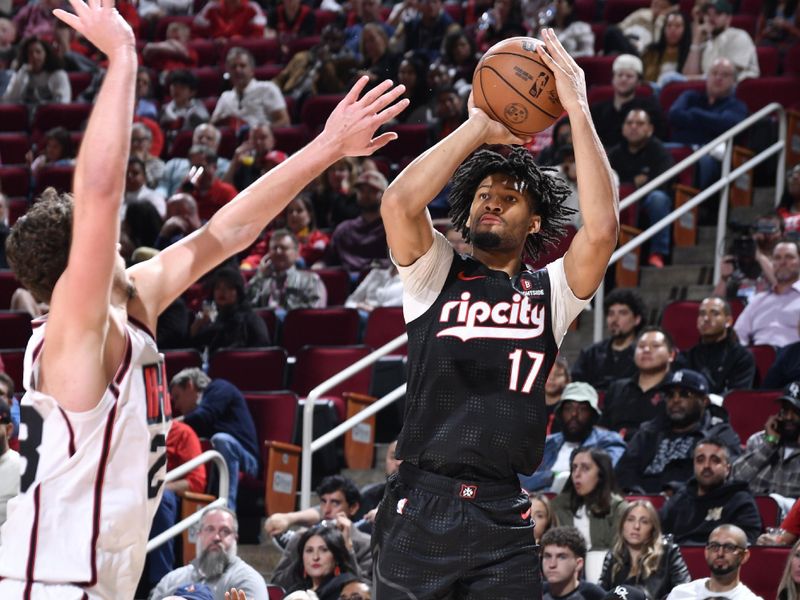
[(95, 414), (483, 333)]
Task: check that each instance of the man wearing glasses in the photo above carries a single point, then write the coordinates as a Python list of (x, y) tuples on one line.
[(726, 552)]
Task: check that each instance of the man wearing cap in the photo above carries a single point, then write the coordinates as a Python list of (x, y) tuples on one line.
[(563, 559), (662, 450), (713, 38), (609, 115), (710, 498), (771, 460), (358, 243), (9, 461), (726, 552), (578, 412)]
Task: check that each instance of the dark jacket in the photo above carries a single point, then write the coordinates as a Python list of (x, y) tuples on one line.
[(608, 120), (672, 571), (785, 369), (695, 121), (235, 327), (599, 365), (727, 365), (644, 445), (691, 518), (651, 160), (626, 406)]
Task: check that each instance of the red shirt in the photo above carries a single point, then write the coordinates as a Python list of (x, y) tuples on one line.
[(245, 20), (211, 200), (792, 521), (182, 446)]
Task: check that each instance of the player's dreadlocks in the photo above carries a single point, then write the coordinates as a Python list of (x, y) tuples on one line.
[(544, 189)]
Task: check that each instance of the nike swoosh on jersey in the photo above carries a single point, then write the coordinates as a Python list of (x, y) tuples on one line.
[(463, 277)]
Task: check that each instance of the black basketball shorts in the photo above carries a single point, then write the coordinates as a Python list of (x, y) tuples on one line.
[(437, 537)]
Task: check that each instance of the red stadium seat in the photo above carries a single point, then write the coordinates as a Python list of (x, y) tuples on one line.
[(585, 10), (455, 11), (208, 54), (264, 50), (13, 148), (300, 44), (322, 17), (750, 7), (13, 361), (746, 22), (178, 360), (320, 327), (768, 59), (290, 139), (163, 23), (8, 284), (680, 320), (273, 414), (15, 181), (596, 68), (555, 252), (769, 510), (72, 116), (412, 140), (78, 81), (250, 369), (762, 573), (791, 65), (179, 148), (270, 320), (657, 500), (599, 31), (784, 90), (695, 559), (600, 93), (51, 176), (686, 177), (13, 117), (616, 10), (671, 92), (17, 206), (317, 109), (337, 284), (764, 356), (384, 324), (748, 410), (267, 72), (15, 329), (209, 81)]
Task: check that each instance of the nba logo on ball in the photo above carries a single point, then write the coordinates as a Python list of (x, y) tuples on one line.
[(512, 85)]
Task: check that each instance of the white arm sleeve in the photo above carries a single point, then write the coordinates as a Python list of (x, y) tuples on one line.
[(565, 306), (424, 279)]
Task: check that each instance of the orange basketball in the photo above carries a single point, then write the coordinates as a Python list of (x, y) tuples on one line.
[(513, 86)]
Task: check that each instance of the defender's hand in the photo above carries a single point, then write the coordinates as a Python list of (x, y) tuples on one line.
[(100, 23)]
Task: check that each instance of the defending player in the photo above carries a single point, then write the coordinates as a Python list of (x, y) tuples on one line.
[(95, 414), (483, 334)]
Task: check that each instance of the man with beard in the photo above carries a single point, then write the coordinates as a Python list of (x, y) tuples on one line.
[(630, 402), (771, 460), (710, 499), (578, 413), (771, 316), (217, 564), (726, 552), (612, 358), (662, 450), (726, 364)]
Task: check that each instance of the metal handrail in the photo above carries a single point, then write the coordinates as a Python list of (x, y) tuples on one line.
[(180, 472), (310, 446), (723, 184)]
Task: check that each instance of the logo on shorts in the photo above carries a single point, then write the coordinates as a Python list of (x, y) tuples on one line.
[(468, 492), (401, 505)]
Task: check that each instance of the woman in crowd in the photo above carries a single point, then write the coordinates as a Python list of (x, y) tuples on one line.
[(576, 36), (504, 20), (334, 198), (323, 553), (40, 78), (589, 500), (413, 73), (641, 557), (668, 55), (789, 587), (777, 24), (378, 61), (542, 514), (58, 151), (460, 54), (789, 208)]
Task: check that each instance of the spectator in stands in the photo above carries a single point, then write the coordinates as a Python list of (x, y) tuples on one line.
[(152, 10), (719, 356), (250, 159), (230, 19), (787, 533), (378, 62), (217, 564), (140, 227), (563, 558), (713, 38), (639, 158), (579, 413), (449, 113), (182, 219), (356, 589), (697, 117), (4, 230), (554, 386), (460, 55), (184, 111), (665, 58), (771, 460), (217, 410), (173, 53), (631, 401), (58, 151), (289, 20), (771, 316), (146, 105), (789, 207), (425, 32), (562, 137), (789, 586), (250, 101), (36, 19), (726, 552), (364, 12), (228, 322), (590, 499), (279, 284), (502, 21), (358, 243), (137, 190), (640, 29), (777, 25), (608, 360), (576, 36), (334, 197), (210, 192), (176, 169), (141, 147), (9, 459), (40, 78), (609, 115), (8, 52), (641, 556), (381, 287), (544, 519), (710, 498), (412, 73), (662, 450), (320, 556), (339, 503)]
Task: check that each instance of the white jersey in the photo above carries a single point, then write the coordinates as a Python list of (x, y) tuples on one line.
[(91, 482)]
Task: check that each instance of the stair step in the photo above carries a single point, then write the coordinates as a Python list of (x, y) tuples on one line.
[(675, 275), (693, 255)]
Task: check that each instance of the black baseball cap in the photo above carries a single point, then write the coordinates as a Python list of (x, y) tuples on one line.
[(791, 394), (625, 592), (686, 378)]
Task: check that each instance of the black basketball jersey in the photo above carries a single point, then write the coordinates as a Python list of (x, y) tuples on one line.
[(478, 360)]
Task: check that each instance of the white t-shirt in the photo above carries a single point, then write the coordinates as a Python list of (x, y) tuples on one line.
[(9, 479), (698, 590)]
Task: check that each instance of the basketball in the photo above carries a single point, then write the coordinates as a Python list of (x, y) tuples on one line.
[(513, 85)]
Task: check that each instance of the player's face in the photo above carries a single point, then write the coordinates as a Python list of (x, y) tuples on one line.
[(711, 319), (218, 532), (585, 474), (318, 560), (334, 503), (540, 520), (637, 528), (652, 352), (501, 216), (711, 466), (560, 565), (620, 320)]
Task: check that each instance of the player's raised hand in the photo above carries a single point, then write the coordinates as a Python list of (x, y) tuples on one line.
[(570, 80), (354, 121), (100, 23), (235, 594), (496, 132)]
